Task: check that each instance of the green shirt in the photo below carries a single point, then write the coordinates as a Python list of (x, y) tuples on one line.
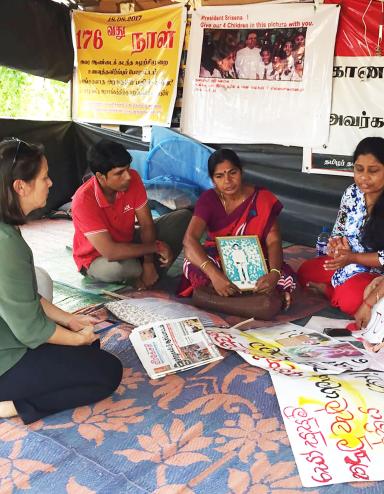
[(23, 323)]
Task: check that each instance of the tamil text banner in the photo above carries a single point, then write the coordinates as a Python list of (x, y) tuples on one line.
[(260, 74), (357, 100), (357, 112), (335, 425), (126, 66)]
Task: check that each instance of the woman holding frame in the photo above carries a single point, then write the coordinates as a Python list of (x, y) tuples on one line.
[(233, 208)]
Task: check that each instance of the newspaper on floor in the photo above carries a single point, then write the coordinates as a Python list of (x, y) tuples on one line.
[(173, 345), (293, 350)]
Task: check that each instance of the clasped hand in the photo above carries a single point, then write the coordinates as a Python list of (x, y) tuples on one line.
[(340, 250), (77, 322), (83, 325)]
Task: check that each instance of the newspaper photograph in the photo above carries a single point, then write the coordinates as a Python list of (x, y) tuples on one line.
[(293, 350), (173, 345)]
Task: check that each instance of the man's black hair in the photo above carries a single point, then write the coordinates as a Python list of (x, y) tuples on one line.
[(105, 155)]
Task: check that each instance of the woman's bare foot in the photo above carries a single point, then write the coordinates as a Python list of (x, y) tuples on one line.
[(139, 285), (317, 287), (7, 409), (287, 300)]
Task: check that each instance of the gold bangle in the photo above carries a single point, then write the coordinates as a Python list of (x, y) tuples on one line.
[(203, 264), (275, 270)]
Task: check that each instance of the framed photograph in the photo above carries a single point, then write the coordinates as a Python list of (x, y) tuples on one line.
[(242, 259)]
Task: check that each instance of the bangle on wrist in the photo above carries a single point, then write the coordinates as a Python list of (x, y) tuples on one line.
[(204, 264), (367, 304), (275, 270)]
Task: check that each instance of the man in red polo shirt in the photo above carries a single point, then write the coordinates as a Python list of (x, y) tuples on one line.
[(106, 244)]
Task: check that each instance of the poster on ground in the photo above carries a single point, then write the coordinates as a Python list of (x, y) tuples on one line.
[(260, 74), (357, 100), (126, 66), (335, 425)]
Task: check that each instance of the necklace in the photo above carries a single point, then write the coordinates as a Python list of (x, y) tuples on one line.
[(238, 203)]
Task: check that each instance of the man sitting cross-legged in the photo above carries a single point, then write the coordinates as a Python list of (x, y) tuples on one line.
[(106, 244)]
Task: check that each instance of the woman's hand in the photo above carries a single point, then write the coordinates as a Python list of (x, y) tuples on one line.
[(342, 257), (373, 285), (363, 316), (79, 321), (222, 285), (87, 336), (335, 244), (267, 283)]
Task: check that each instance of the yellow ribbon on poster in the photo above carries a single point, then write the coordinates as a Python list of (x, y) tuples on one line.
[(126, 66)]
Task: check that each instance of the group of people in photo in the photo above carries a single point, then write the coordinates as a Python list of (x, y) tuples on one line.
[(116, 239), (273, 55)]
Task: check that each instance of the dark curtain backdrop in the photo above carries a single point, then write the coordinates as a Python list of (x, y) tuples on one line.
[(35, 37)]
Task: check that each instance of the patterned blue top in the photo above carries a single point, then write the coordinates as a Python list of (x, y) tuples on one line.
[(349, 223)]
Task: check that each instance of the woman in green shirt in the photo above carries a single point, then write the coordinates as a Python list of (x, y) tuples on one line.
[(50, 360)]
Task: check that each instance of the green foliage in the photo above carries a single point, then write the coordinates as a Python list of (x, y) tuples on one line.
[(26, 96)]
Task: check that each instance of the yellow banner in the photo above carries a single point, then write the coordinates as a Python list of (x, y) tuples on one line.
[(126, 66)]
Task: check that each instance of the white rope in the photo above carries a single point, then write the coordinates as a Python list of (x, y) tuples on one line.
[(365, 28)]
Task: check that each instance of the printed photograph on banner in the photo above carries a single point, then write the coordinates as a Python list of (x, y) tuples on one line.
[(269, 54), (324, 353)]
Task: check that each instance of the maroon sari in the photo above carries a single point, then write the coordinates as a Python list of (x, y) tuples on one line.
[(255, 216)]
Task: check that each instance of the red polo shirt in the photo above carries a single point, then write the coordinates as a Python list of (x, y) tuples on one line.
[(92, 213)]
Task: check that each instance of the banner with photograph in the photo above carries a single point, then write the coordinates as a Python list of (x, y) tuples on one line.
[(357, 102), (260, 74), (126, 66), (335, 425)]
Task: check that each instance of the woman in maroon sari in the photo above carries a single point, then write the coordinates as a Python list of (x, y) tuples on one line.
[(234, 208)]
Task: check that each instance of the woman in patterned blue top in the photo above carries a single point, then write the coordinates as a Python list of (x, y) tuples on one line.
[(356, 247)]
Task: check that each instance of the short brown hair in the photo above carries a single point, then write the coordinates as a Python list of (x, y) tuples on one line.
[(18, 161)]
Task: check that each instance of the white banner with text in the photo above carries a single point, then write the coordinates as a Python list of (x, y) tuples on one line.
[(357, 112), (260, 74)]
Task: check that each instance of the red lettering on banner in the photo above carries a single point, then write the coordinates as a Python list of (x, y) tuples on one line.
[(85, 36), (151, 39), (342, 425), (116, 31), (308, 431)]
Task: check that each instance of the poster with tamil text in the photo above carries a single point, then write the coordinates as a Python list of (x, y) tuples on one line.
[(357, 100), (126, 66)]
